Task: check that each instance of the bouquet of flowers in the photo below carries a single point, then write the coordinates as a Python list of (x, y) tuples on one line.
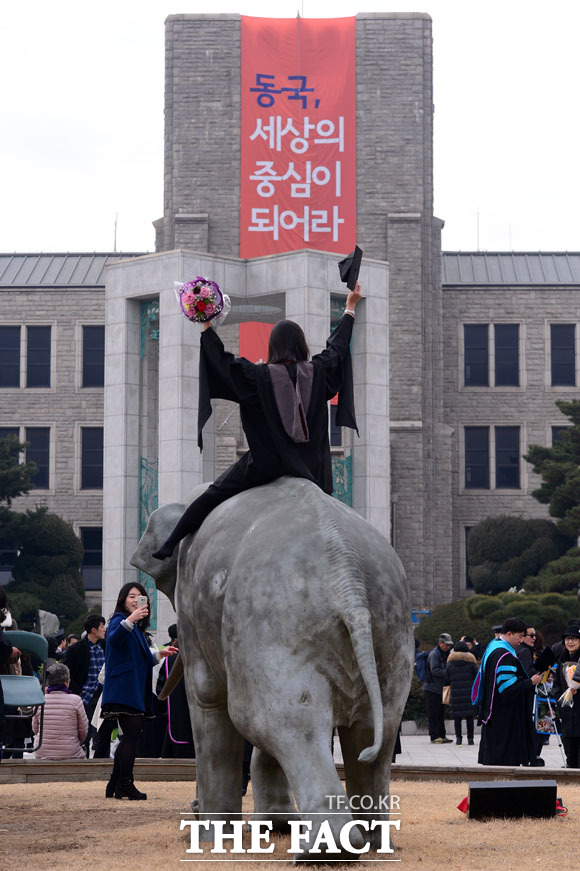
[(201, 300), (566, 700)]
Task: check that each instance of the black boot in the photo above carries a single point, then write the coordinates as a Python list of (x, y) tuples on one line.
[(127, 789), (111, 786), (113, 780)]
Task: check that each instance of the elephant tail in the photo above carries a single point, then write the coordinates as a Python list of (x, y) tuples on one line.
[(173, 678), (358, 623)]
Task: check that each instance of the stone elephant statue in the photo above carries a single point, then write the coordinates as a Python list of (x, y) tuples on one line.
[(293, 618)]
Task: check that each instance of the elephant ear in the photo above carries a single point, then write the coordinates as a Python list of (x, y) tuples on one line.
[(160, 525)]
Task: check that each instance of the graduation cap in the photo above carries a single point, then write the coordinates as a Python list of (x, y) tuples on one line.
[(349, 268)]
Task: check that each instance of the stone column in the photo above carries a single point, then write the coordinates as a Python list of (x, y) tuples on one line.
[(370, 355)]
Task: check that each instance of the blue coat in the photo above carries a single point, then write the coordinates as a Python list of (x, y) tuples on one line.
[(128, 666)]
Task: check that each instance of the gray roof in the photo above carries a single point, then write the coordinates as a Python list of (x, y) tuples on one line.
[(56, 270), (460, 269), (532, 269)]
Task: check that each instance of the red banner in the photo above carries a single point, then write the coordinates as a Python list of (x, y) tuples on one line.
[(298, 147), (254, 339)]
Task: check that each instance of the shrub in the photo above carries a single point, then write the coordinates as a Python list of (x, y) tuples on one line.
[(415, 708)]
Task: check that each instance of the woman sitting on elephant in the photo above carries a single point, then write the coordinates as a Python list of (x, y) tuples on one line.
[(128, 690), (283, 407)]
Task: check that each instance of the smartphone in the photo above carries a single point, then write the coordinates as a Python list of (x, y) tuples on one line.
[(141, 600)]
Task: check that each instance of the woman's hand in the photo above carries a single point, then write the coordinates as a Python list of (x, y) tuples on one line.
[(168, 651), (138, 614), (14, 655), (207, 325), (354, 296)]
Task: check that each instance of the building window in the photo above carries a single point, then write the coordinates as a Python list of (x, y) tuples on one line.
[(491, 359), (507, 457), (9, 356), (92, 458), (335, 431), (563, 356), (38, 451), (557, 433), (38, 357), (477, 457), (476, 353), (92, 565), (507, 366), (6, 431), (94, 356)]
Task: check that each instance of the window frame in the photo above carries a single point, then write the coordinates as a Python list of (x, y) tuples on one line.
[(549, 356), (21, 430), (82, 343), (492, 460), (491, 355), (81, 527), (23, 356), (30, 327), (16, 386), (81, 452)]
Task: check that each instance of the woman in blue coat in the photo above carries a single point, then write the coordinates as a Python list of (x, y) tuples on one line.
[(128, 691)]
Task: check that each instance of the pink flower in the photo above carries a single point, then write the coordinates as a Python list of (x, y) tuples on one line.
[(189, 298), (205, 292), (209, 309)]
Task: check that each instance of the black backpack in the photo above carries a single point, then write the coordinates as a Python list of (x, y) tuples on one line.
[(421, 665)]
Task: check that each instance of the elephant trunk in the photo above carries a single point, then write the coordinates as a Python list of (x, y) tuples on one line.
[(173, 679)]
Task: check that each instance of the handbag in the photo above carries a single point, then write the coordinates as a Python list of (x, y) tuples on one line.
[(446, 695)]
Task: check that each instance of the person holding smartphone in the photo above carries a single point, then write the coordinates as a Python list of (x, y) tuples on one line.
[(127, 691)]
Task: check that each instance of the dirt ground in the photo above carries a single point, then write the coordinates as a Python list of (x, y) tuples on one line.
[(63, 825)]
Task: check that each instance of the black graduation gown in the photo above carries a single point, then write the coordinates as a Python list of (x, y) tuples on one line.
[(178, 737), (508, 737), (5, 654), (272, 453)]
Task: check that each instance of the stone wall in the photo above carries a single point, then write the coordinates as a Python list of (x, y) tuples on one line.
[(66, 405), (531, 406)]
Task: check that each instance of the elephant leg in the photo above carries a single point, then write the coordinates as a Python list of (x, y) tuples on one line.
[(272, 797), (367, 784), (321, 800), (219, 747)]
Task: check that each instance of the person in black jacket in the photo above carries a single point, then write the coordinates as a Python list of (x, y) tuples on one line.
[(283, 408), (84, 660), (460, 674), (570, 716), (526, 650), (433, 689), (8, 654)]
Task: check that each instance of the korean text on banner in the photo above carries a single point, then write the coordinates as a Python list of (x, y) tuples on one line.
[(298, 135)]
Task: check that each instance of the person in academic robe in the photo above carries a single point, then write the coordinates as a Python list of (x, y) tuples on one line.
[(283, 407), (504, 691)]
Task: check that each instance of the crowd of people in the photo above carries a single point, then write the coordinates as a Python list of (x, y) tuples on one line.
[(101, 686), (496, 686)]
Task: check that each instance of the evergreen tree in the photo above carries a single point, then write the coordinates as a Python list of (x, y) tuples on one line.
[(504, 550), (48, 564), (559, 467), (15, 477)]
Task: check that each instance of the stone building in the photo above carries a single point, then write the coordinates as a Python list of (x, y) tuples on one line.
[(458, 357), (52, 340)]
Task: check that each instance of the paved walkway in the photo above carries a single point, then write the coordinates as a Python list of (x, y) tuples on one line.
[(418, 750)]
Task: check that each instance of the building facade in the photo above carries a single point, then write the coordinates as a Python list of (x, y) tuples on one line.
[(458, 357)]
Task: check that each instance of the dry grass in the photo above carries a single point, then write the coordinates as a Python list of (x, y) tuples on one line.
[(47, 826)]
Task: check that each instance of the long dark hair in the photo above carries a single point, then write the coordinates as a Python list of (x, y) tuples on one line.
[(287, 344), (120, 603)]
